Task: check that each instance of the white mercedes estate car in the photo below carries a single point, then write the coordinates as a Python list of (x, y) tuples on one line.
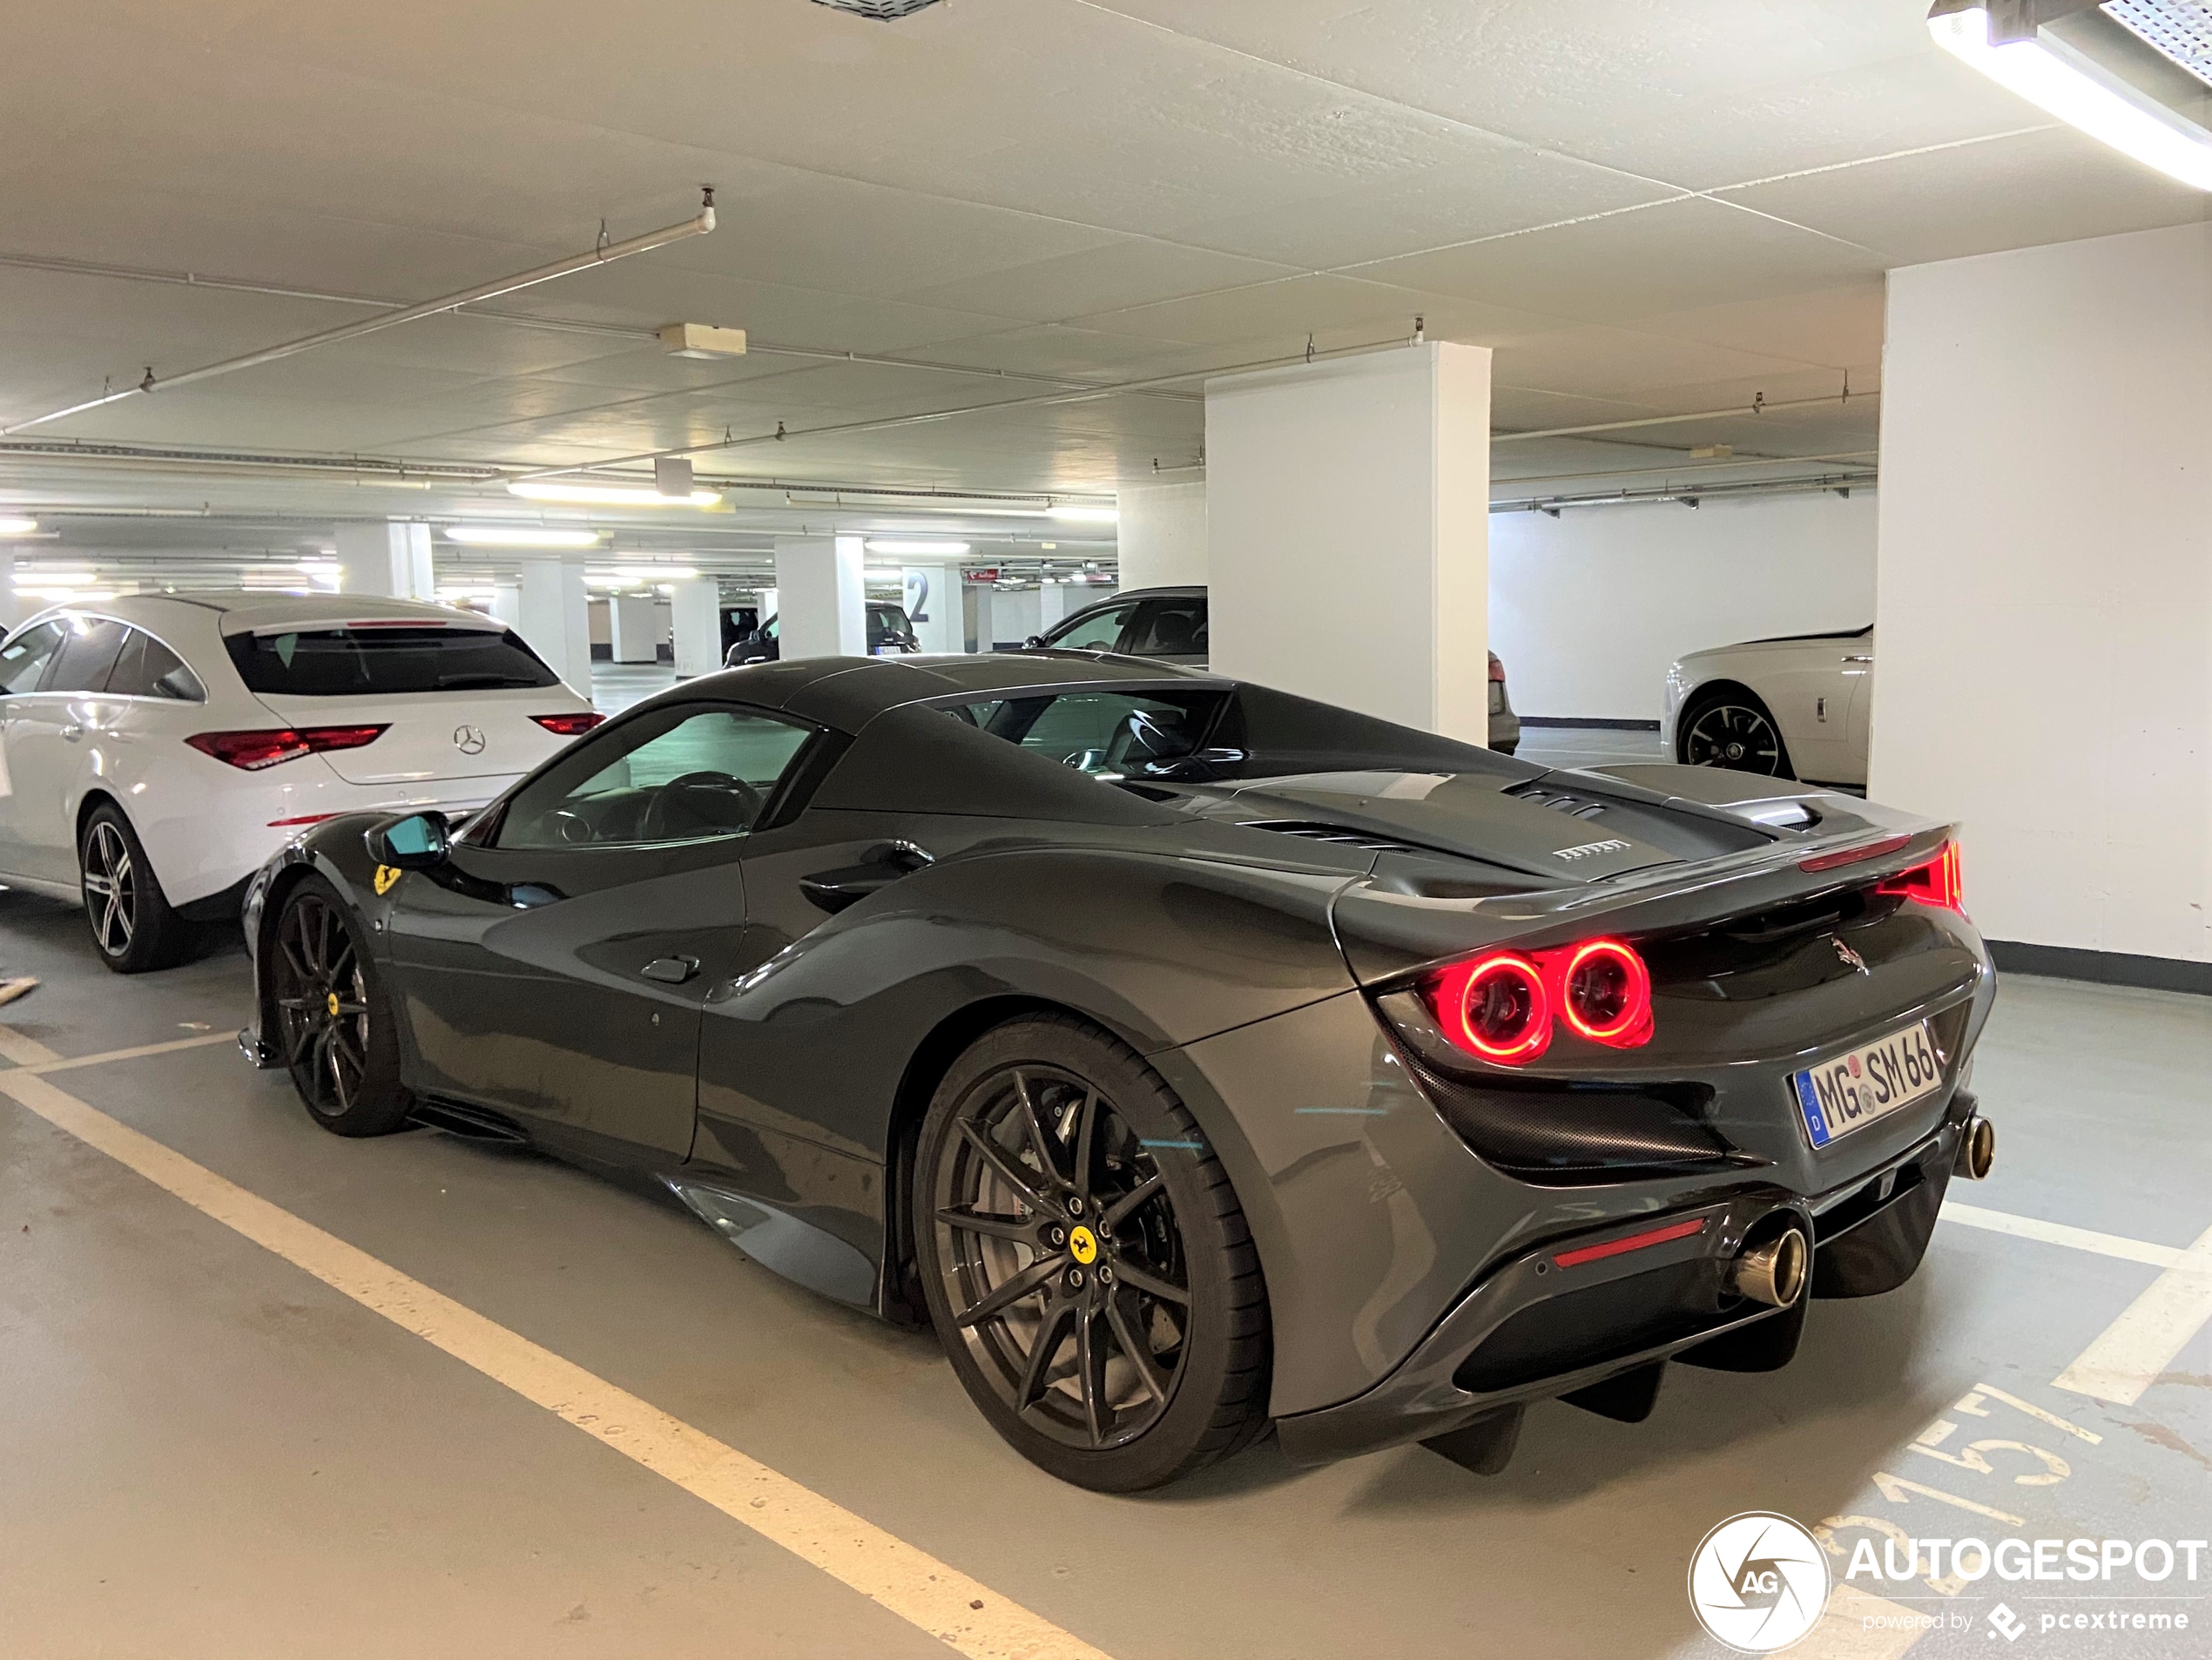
[(155, 750), (1795, 707)]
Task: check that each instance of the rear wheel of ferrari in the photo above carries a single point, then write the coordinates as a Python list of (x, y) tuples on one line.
[(333, 1022), (1735, 730), (1086, 1262)]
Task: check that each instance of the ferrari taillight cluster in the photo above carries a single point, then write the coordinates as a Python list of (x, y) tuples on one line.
[(1502, 1006), (1939, 882)]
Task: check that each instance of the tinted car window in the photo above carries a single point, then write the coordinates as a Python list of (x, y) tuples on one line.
[(887, 625), (88, 652), (677, 774), (345, 662), (1102, 632), (23, 658), (1169, 628), (146, 668), (1099, 731)]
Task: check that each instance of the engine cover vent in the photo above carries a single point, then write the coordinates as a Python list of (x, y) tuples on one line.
[(879, 10), (1334, 832), (1575, 807)]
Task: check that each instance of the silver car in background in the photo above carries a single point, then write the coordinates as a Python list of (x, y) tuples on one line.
[(1794, 707)]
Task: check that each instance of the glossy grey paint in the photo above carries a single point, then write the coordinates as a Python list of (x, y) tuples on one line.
[(1242, 962)]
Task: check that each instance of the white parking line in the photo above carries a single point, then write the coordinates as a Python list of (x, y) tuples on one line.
[(2028, 1227), (2142, 1343), (929, 1594)]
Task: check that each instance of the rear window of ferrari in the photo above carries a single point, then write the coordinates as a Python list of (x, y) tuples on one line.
[(378, 659)]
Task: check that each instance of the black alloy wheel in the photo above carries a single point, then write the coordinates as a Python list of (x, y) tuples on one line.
[(1736, 733), (333, 1027), (132, 922), (1085, 1261)]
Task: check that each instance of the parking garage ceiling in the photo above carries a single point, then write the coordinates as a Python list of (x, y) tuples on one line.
[(1646, 209)]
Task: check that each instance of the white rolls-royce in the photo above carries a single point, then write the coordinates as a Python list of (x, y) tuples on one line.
[(1794, 707)]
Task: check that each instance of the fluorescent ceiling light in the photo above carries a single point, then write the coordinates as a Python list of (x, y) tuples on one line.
[(65, 596), (701, 339), (2066, 85), (519, 536), (642, 573), (899, 544), (54, 579), (13, 526), (610, 495), (1087, 515)]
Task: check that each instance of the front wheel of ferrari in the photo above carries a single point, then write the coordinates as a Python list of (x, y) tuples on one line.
[(1086, 1262), (334, 1022)]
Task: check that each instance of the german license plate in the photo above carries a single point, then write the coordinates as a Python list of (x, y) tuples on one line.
[(1855, 1089)]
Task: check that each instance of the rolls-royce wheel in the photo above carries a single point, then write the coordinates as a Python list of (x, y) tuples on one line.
[(132, 922), (1733, 729), (1085, 1260), (333, 1022)]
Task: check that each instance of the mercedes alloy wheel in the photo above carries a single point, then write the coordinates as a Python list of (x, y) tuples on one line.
[(130, 919)]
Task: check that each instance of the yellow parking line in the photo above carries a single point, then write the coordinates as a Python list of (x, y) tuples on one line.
[(929, 1594), (64, 1063), (24, 1051)]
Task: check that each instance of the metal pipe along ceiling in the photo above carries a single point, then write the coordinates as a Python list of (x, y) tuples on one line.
[(698, 225)]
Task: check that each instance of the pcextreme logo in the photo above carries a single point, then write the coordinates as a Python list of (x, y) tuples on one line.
[(1758, 1582)]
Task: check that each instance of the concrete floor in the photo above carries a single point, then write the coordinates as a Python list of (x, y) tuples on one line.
[(206, 1453)]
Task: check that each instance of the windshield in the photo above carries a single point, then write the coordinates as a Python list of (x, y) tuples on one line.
[(355, 661)]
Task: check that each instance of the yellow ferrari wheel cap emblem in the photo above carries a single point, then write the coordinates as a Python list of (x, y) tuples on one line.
[(386, 876), (334, 1005), (1082, 1245)]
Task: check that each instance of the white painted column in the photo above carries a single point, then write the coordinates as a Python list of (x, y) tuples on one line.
[(12, 610), (1055, 600), (391, 558), (821, 585), (764, 602), (507, 603), (1347, 507), (695, 625), (551, 616), (1162, 533), (2043, 590), (636, 621), (975, 614), (934, 605)]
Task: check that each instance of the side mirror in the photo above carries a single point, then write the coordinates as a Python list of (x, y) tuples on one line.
[(415, 841), (1033, 642)]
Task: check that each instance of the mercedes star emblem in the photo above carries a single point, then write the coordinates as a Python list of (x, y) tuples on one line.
[(469, 740)]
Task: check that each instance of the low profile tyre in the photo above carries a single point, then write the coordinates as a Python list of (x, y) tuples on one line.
[(1085, 1260), (333, 1022), (1735, 730), (131, 918)]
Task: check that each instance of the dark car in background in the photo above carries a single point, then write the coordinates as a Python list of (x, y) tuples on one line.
[(889, 634), (1169, 624)]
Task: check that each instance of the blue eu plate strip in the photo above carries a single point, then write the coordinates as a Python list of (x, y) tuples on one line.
[(1816, 1126)]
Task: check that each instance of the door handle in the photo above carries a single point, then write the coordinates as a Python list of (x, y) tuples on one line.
[(1858, 659), (832, 890), (72, 732), (671, 971)]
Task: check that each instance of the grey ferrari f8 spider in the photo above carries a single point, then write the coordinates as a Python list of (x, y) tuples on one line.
[(1195, 1059)]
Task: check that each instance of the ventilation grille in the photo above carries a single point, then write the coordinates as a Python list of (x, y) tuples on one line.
[(881, 10), (2181, 30), (1332, 832), (1575, 807)]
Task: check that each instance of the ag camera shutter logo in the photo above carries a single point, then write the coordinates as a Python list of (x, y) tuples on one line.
[(1758, 1582)]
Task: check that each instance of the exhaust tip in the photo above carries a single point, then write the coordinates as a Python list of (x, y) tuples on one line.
[(1773, 1274), (1977, 1149)]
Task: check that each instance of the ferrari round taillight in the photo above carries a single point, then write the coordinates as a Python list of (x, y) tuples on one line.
[(1605, 993), (1495, 1006)]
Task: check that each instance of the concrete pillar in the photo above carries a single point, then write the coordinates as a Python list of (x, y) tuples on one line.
[(1378, 465), (932, 603), (12, 609), (764, 602), (1055, 600), (507, 603), (695, 625), (551, 615), (1163, 534), (391, 558), (1013, 616), (822, 585), (636, 621), (975, 614), (2043, 587)]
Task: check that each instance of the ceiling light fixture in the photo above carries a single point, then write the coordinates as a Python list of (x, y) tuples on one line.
[(2018, 50), (14, 526), (899, 544), (1087, 515), (644, 573), (612, 494), (701, 339), (518, 535)]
